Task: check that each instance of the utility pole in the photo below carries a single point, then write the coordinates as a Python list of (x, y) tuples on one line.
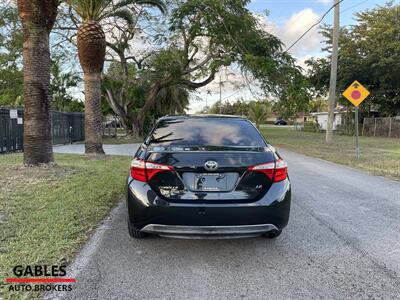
[(220, 95), (332, 83)]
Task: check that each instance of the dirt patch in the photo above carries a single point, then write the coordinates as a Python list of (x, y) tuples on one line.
[(32, 175)]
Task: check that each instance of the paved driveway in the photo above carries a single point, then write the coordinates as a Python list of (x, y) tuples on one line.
[(342, 242), (124, 149)]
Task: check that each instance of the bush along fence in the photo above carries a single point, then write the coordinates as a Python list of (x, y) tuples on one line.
[(66, 128), (384, 127)]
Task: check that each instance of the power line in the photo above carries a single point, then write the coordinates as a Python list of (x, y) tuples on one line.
[(353, 6), (233, 94), (312, 26)]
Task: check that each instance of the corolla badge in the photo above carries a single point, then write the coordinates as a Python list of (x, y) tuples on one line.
[(211, 165)]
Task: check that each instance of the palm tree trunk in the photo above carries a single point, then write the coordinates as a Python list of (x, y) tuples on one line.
[(93, 116), (91, 52), (37, 23)]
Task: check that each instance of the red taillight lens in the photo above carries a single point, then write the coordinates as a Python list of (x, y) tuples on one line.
[(280, 170), (144, 171), (138, 171), (153, 169), (274, 171), (267, 169)]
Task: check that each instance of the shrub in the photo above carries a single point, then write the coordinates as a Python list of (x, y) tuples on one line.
[(311, 126)]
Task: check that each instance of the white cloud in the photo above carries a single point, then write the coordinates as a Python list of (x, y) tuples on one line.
[(293, 28), (301, 61), (324, 1)]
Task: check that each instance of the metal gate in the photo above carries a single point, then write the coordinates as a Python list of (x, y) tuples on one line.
[(11, 130), (66, 128)]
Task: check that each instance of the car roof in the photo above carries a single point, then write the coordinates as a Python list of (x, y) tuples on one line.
[(202, 116)]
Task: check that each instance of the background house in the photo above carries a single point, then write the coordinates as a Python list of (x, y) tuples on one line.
[(322, 119)]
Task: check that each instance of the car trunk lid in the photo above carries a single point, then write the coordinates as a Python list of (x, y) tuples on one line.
[(192, 180)]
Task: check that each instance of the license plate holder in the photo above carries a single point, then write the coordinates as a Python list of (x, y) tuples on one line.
[(210, 182)]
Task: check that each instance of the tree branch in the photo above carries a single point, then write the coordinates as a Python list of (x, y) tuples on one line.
[(195, 85)]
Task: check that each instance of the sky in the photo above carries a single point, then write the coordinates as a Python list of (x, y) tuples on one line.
[(287, 19)]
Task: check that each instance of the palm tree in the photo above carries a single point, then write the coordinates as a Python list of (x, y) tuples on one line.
[(37, 18), (258, 113), (91, 52), (173, 99)]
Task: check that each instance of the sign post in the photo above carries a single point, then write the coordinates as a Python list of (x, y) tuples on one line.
[(357, 143), (356, 94)]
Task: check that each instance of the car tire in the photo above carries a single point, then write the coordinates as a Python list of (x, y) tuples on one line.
[(273, 234), (135, 233)]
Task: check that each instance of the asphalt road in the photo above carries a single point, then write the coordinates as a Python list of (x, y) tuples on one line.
[(342, 242)]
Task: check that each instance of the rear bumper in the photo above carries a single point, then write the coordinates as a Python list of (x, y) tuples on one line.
[(151, 213), (179, 231)]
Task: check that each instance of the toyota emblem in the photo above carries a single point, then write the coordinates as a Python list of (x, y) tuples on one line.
[(211, 165)]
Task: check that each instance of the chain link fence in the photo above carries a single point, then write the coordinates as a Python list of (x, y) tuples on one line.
[(66, 128), (383, 127)]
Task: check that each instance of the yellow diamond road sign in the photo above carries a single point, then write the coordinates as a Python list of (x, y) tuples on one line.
[(356, 93)]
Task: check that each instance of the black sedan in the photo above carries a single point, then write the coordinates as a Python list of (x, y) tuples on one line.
[(207, 177), (280, 122)]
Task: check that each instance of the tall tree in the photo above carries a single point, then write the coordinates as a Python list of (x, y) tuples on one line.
[(91, 42), (206, 35), (369, 53), (125, 83), (37, 18)]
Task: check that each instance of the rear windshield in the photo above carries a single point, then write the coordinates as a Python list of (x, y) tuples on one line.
[(206, 131)]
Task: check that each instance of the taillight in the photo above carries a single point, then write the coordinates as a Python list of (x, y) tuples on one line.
[(275, 171), (280, 170), (144, 171)]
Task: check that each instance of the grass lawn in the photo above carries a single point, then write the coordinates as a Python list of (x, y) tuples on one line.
[(380, 156), (46, 214)]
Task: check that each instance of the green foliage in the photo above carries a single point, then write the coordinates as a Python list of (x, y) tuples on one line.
[(370, 53), (61, 83), (318, 104), (311, 126), (11, 76), (166, 63), (294, 97), (114, 79), (11, 93), (76, 105), (10, 37), (101, 9), (173, 99), (258, 112), (225, 32)]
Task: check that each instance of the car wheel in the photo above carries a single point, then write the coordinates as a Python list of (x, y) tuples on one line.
[(273, 234), (135, 233)]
